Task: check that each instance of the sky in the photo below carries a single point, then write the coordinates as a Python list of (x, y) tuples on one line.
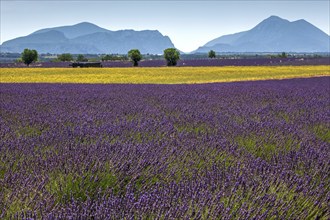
[(189, 24)]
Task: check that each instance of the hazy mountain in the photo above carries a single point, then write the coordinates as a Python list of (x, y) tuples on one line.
[(152, 42), (225, 39), (46, 42), (89, 38), (76, 30), (273, 34)]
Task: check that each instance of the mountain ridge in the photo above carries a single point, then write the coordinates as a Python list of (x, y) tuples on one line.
[(273, 34), (72, 38), (76, 30)]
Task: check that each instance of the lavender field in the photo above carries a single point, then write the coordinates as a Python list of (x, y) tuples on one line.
[(245, 150), (191, 62)]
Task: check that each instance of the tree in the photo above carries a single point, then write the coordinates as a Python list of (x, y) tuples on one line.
[(29, 56), (65, 57), (211, 54), (135, 56), (81, 58), (171, 56), (283, 55), (107, 57)]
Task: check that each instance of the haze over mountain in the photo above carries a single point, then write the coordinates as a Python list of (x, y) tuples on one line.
[(273, 34), (89, 38)]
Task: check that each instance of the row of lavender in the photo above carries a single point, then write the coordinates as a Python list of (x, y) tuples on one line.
[(230, 151), (194, 62)]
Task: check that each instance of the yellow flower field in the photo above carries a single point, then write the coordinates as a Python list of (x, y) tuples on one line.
[(161, 75)]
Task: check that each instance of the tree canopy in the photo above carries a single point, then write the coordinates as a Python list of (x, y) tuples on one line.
[(29, 56), (107, 57), (283, 55), (65, 57), (171, 56), (81, 58), (135, 56), (211, 54)]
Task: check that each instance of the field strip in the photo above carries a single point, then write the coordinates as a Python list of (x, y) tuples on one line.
[(160, 75)]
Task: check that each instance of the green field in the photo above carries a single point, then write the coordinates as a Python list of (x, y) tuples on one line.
[(161, 75)]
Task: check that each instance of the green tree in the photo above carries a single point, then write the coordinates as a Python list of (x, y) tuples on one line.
[(29, 56), (107, 57), (211, 54), (65, 57), (135, 56), (171, 56), (283, 55), (81, 58)]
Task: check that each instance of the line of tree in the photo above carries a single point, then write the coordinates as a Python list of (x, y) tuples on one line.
[(65, 57), (171, 56), (113, 57), (81, 58)]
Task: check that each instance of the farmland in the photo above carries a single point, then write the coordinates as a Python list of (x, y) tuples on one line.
[(160, 75), (239, 150), (189, 62)]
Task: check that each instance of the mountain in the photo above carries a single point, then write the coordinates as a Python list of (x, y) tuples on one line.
[(76, 30), (89, 38), (273, 34), (226, 39), (152, 42)]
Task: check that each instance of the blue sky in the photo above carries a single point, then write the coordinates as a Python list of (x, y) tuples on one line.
[(189, 24)]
